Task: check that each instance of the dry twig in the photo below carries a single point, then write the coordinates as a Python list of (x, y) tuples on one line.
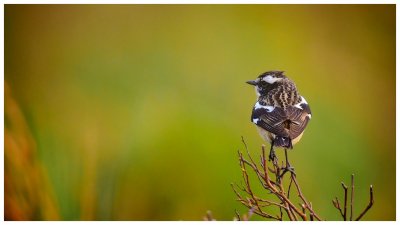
[(371, 202), (343, 211), (352, 197), (271, 176)]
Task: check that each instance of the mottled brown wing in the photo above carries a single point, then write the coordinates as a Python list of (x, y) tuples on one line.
[(289, 123), (298, 120), (271, 121)]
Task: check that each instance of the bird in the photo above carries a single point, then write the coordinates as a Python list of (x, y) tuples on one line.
[(280, 113)]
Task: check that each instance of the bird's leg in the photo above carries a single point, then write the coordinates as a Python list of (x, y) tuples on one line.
[(288, 167), (272, 155)]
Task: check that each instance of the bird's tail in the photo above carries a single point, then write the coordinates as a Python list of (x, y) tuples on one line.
[(284, 142)]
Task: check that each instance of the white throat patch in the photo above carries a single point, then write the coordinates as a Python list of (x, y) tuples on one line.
[(257, 91), (271, 80)]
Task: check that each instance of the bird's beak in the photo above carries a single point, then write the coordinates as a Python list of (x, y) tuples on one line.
[(252, 82)]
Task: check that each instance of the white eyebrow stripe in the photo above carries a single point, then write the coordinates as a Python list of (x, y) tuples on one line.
[(270, 79)]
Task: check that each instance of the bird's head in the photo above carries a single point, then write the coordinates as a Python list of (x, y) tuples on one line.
[(267, 81)]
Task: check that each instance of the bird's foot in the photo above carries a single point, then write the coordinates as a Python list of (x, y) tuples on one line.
[(272, 155), (286, 169)]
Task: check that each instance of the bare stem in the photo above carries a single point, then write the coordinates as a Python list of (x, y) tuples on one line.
[(266, 171), (336, 204), (345, 202), (371, 202), (352, 197)]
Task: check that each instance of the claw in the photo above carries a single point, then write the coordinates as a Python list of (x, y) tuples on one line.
[(272, 155), (286, 169)]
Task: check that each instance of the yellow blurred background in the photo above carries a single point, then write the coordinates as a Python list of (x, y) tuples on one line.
[(136, 112)]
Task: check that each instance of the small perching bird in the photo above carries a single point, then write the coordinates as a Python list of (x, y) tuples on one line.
[(280, 113)]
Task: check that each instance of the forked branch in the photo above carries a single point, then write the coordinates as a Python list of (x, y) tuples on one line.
[(271, 176), (343, 209)]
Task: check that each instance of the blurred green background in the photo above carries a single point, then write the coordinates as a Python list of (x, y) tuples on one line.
[(136, 112)]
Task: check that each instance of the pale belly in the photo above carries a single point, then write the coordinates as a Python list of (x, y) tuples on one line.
[(268, 137)]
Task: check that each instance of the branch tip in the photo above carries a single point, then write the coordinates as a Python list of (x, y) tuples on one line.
[(272, 176)]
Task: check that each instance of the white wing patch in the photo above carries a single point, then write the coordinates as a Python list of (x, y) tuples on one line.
[(267, 107), (303, 101), (256, 120)]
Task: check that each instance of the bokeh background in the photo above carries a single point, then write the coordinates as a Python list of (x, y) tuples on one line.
[(136, 112)]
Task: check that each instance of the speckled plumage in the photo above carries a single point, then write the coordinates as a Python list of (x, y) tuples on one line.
[(280, 112), (282, 95)]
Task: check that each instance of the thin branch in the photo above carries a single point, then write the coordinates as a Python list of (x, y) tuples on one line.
[(246, 179), (294, 217), (270, 202), (311, 215), (371, 202), (209, 216), (266, 171), (237, 215), (267, 183), (300, 194), (352, 197), (265, 166), (251, 203), (290, 185), (345, 202), (336, 204)]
